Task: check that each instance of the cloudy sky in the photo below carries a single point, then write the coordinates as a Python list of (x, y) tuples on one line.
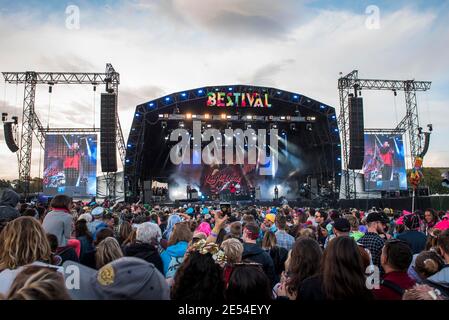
[(164, 46)]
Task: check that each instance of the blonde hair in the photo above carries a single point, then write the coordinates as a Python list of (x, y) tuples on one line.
[(107, 251), (38, 283), (233, 250), (23, 241)]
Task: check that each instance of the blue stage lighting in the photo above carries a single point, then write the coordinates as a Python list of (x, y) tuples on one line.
[(200, 91), (230, 89), (151, 105), (128, 161), (129, 146), (338, 159), (295, 97), (183, 94), (167, 99), (336, 129), (137, 115)]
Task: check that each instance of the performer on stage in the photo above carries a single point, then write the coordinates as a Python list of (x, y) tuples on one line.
[(72, 164), (387, 156), (276, 192)]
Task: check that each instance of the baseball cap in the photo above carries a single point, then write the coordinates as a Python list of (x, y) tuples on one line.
[(127, 278), (270, 217), (98, 211), (342, 225)]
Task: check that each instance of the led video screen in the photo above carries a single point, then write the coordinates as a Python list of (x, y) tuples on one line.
[(70, 165), (384, 163)]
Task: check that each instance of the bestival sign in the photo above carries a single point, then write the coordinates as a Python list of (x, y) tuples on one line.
[(238, 99)]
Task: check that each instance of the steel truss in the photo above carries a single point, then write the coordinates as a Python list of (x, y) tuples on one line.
[(410, 123), (32, 125)]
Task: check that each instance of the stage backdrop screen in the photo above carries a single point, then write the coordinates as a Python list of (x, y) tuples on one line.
[(384, 163), (70, 165)]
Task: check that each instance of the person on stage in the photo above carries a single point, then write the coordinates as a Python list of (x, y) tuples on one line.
[(276, 192), (387, 156), (72, 164)]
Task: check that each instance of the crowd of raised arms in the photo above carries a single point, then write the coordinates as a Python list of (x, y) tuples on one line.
[(76, 250)]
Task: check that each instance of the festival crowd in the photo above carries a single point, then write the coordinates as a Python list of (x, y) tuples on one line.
[(95, 251)]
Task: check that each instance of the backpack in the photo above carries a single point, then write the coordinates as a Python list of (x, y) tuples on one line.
[(392, 286)]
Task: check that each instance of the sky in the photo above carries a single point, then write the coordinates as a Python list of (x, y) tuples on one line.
[(164, 46)]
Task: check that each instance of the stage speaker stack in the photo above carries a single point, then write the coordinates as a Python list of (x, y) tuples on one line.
[(108, 144), (356, 133), (9, 137)]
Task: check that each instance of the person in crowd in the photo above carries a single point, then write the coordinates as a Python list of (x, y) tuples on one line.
[(423, 292), (415, 238), (283, 239), (432, 239), (340, 227), (235, 231), (200, 277), (64, 253), (22, 242), (371, 240), (38, 283), (426, 264), (59, 221), (278, 254), (355, 233), (125, 230), (84, 237), (430, 220), (396, 258), (440, 280), (341, 276), (8, 204), (178, 242), (304, 262), (269, 223), (146, 246), (172, 221), (233, 250), (107, 222), (253, 252), (107, 251), (204, 227), (97, 214), (127, 278), (89, 258), (248, 282)]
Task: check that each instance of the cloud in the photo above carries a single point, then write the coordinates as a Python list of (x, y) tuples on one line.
[(131, 97)]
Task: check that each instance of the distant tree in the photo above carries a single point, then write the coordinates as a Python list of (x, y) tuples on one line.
[(433, 180)]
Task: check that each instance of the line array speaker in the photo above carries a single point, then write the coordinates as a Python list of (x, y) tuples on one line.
[(108, 144)]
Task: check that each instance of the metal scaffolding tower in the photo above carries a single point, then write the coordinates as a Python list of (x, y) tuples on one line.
[(410, 122), (32, 125)]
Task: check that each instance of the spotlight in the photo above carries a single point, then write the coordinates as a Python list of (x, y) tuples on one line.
[(206, 116), (273, 126), (283, 133), (164, 125), (293, 127), (181, 124), (167, 99), (189, 116), (209, 125), (283, 118), (161, 116), (247, 126), (166, 138), (229, 125), (249, 117), (223, 116), (309, 127)]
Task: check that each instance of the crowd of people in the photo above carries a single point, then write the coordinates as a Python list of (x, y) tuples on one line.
[(199, 253)]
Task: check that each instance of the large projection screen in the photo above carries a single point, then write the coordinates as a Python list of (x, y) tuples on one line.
[(384, 163), (70, 165)]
